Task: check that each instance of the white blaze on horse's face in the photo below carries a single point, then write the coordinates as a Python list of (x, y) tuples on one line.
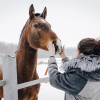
[(58, 46), (43, 21)]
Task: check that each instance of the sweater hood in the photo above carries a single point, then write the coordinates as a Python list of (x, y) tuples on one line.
[(85, 63)]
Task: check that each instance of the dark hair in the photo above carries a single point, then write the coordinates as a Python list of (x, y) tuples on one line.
[(97, 48), (89, 46)]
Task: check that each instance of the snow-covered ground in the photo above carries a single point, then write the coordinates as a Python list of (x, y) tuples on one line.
[(47, 92)]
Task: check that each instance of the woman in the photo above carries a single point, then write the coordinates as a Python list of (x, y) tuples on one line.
[(81, 77)]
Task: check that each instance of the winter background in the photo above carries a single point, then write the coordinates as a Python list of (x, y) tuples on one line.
[(71, 20)]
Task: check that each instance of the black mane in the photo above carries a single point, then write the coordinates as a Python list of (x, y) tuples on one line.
[(37, 14)]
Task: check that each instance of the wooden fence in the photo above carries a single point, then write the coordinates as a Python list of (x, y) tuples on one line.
[(9, 82)]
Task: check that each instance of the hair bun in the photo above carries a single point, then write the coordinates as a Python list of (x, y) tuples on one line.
[(87, 46), (97, 47)]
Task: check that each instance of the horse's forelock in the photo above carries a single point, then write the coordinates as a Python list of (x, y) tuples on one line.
[(37, 14)]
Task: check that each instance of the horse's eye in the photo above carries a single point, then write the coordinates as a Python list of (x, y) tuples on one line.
[(35, 26)]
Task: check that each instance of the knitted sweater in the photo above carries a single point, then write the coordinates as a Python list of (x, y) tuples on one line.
[(80, 79)]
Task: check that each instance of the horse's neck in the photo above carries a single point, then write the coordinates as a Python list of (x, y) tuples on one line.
[(26, 62)]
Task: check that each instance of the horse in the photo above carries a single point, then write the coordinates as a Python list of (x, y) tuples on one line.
[(35, 35)]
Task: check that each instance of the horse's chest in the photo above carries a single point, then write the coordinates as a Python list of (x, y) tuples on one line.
[(29, 93)]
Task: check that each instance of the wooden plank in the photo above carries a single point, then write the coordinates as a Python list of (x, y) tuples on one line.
[(27, 84), (10, 77)]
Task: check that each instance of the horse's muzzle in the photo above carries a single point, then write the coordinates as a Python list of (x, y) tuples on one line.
[(58, 46)]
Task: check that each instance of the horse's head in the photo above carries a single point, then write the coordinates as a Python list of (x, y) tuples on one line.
[(39, 31)]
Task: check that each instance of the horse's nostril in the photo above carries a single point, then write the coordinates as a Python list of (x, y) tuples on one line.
[(54, 42), (56, 47)]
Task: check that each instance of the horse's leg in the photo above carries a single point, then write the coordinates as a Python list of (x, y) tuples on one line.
[(0, 98)]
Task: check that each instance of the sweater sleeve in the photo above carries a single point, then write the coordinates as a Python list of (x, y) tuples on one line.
[(68, 82), (65, 60)]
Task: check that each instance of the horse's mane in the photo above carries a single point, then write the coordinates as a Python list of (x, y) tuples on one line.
[(21, 36), (36, 14)]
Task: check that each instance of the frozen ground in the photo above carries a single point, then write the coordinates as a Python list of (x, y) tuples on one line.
[(47, 92)]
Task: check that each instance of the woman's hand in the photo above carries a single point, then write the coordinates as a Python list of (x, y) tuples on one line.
[(62, 53), (51, 48)]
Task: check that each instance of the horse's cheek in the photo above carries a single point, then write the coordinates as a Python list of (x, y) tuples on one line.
[(33, 40)]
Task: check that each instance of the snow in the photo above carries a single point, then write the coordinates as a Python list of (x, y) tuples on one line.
[(47, 92)]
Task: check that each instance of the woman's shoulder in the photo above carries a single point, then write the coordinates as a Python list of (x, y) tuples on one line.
[(93, 76), (85, 63)]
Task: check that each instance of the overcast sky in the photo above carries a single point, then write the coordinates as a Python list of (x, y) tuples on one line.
[(71, 20)]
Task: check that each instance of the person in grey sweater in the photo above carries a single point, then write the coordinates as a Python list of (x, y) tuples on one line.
[(81, 77)]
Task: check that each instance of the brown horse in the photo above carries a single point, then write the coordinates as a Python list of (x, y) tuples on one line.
[(35, 34)]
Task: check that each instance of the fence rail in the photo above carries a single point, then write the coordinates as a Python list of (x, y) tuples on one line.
[(27, 84), (9, 82)]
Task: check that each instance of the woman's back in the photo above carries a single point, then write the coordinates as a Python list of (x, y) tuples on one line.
[(91, 91), (81, 77)]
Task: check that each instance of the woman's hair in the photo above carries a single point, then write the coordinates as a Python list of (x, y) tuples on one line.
[(89, 46)]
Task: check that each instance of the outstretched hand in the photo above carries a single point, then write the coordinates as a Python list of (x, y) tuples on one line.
[(62, 53), (51, 48)]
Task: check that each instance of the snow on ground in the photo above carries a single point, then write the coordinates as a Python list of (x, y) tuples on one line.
[(47, 92)]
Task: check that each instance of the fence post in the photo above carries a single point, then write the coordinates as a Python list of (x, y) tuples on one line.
[(10, 90)]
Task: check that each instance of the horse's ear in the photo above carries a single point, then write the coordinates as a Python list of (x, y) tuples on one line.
[(31, 12), (44, 13)]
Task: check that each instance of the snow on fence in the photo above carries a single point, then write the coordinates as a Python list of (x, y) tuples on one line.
[(9, 82)]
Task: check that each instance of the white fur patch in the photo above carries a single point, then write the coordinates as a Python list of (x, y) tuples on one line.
[(85, 63), (43, 20), (59, 44)]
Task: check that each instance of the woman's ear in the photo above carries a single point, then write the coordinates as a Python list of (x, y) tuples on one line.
[(77, 53)]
